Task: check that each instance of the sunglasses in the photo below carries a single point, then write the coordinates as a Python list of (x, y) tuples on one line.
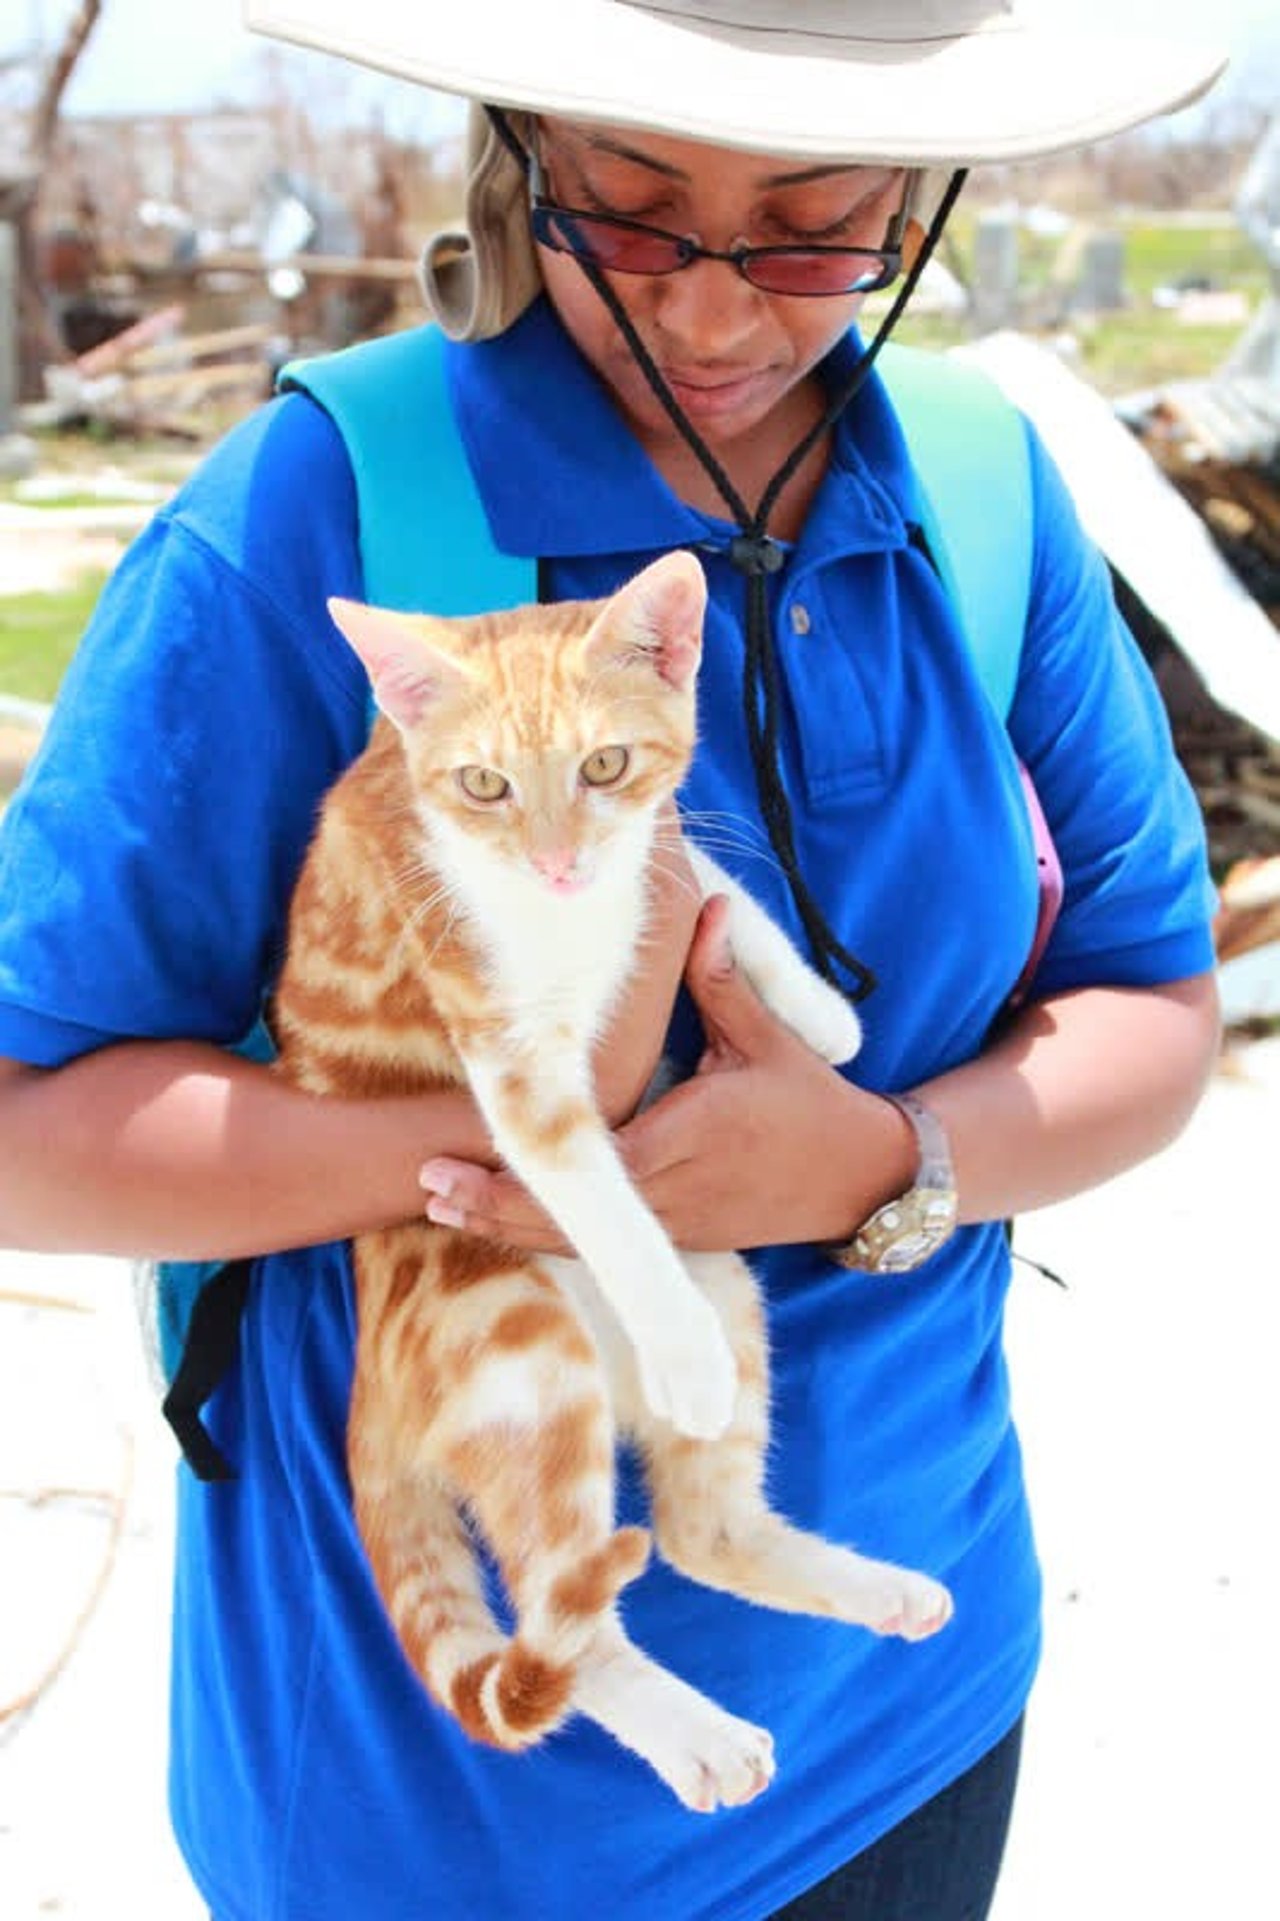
[(629, 246)]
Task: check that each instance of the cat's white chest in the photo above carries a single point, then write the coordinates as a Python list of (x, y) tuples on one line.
[(556, 961), (562, 961)]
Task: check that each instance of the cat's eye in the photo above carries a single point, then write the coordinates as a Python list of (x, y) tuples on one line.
[(483, 783), (605, 766)]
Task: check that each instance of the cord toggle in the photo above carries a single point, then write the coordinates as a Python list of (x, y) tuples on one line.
[(757, 554)]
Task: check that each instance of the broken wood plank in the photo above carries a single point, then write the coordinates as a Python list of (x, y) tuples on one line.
[(113, 353)]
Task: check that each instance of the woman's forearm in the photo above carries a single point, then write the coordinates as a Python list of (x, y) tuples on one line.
[(171, 1148), (182, 1150), (1081, 1087)]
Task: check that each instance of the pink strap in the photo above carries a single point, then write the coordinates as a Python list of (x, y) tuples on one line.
[(1049, 870)]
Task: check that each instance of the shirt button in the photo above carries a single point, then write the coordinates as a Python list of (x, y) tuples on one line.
[(800, 622)]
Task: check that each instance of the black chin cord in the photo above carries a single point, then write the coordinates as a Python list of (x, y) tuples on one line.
[(756, 555)]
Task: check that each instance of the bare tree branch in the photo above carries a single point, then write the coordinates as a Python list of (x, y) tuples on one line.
[(44, 118), (38, 338)]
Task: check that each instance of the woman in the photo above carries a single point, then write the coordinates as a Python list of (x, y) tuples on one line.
[(635, 391)]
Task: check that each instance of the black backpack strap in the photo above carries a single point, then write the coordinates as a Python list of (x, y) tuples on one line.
[(210, 1349)]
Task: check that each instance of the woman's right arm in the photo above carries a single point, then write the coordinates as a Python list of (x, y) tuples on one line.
[(183, 1150), (169, 1148)]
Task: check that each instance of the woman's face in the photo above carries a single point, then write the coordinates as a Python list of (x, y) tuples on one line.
[(730, 353)]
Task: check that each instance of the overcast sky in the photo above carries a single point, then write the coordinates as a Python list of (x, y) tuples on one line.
[(185, 54)]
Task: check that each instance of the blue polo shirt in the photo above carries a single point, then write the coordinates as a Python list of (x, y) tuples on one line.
[(145, 871)]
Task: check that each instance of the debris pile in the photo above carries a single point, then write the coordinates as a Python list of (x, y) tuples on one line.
[(154, 377), (1218, 441)]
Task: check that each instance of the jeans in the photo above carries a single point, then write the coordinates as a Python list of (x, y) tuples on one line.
[(940, 1864)]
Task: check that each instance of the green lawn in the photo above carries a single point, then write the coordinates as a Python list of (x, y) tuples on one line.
[(1141, 345), (38, 635)]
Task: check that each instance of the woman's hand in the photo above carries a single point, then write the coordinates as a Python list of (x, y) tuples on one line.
[(766, 1144)]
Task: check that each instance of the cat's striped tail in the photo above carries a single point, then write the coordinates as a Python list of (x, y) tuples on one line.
[(508, 1692), (519, 1691)]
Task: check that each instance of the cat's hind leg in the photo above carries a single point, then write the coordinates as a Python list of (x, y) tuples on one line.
[(712, 1519), (706, 1756), (483, 1395)]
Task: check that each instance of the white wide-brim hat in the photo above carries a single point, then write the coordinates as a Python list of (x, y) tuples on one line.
[(922, 82)]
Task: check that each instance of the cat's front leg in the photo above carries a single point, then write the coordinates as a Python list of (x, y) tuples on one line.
[(816, 1012), (547, 1129)]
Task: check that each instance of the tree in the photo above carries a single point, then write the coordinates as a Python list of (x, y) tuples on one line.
[(38, 338)]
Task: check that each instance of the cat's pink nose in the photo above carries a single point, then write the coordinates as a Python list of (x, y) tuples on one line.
[(559, 866)]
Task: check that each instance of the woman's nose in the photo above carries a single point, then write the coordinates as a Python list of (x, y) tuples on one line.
[(707, 308)]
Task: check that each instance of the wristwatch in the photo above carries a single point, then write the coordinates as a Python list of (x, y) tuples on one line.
[(902, 1234)]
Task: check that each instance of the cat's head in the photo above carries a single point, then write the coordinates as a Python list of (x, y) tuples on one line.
[(548, 737)]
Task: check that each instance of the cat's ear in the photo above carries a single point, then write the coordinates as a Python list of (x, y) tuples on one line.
[(407, 673), (659, 614)]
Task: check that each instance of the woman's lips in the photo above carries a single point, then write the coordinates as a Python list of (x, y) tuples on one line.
[(710, 391)]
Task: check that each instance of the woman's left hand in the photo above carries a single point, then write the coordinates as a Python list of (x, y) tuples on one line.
[(766, 1143)]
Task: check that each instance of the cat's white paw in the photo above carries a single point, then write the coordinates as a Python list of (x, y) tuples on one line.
[(912, 1605), (687, 1371), (712, 1760), (830, 1027), (706, 1756)]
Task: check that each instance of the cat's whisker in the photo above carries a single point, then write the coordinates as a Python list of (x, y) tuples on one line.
[(445, 931), (440, 890), (713, 845), (677, 869), (710, 830), (428, 907)]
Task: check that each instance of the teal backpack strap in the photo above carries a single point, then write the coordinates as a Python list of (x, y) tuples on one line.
[(980, 534), (976, 512), (425, 543)]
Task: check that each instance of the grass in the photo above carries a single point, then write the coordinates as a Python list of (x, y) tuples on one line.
[(39, 633), (1157, 256), (1141, 345), (53, 503)]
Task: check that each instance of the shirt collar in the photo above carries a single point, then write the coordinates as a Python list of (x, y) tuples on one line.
[(584, 485)]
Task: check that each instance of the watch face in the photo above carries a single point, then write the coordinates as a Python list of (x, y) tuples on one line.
[(908, 1251), (903, 1234)]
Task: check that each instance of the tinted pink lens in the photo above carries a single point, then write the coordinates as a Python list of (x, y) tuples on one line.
[(614, 245), (800, 272)]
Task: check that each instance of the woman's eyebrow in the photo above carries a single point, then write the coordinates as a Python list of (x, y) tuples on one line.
[(619, 150), (801, 177), (805, 176)]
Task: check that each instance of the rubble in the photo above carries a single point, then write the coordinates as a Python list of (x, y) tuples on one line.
[(1218, 441), (153, 378)]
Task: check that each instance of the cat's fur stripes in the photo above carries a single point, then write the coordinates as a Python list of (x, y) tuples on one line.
[(441, 935)]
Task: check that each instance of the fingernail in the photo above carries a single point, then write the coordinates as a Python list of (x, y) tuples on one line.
[(441, 1214), (435, 1179)]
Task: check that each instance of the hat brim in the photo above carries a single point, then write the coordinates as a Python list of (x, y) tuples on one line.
[(1008, 91)]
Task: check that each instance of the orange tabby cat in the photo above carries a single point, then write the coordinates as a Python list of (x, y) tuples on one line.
[(469, 912)]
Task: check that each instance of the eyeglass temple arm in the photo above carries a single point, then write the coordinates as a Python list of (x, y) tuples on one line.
[(900, 221)]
